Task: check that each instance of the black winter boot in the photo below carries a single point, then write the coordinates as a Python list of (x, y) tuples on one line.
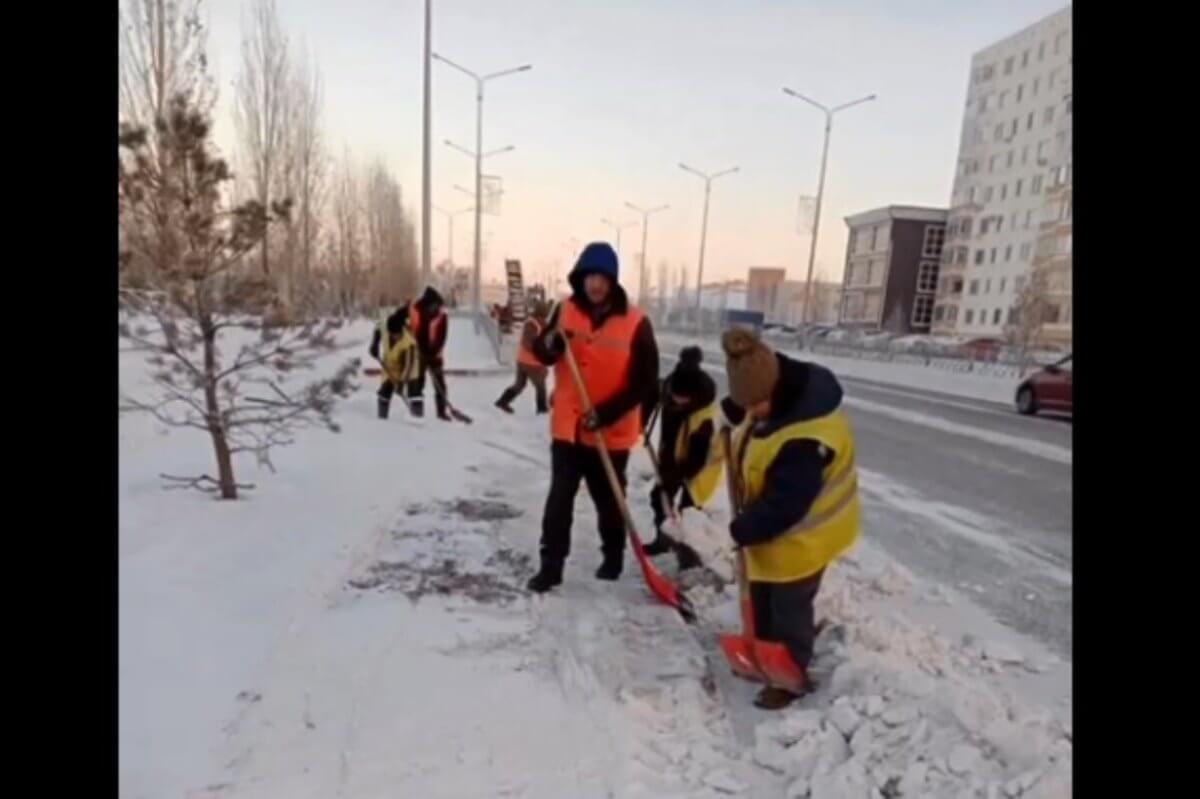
[(382, 406), (504, 402), (686, 557), (417, 406), (772, 698), (610, 569), (661, 543), (546, 578)]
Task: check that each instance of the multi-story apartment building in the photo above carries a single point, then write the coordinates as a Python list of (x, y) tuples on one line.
[(892, 261), (1011, 129), (1052, 258)]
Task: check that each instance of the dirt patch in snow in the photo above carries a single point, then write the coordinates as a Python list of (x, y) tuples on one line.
[(472, 510), (441, 578)]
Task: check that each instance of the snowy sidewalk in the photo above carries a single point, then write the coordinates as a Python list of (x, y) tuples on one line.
[(358, 628)]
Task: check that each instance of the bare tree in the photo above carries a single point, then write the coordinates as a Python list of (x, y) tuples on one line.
[(311, 160), (391, 250), (161, 48), (347, 232), (261, 110), (179, 323), (1028, 315)]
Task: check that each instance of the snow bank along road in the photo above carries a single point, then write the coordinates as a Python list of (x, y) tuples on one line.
[(357, 628), (975, 496)]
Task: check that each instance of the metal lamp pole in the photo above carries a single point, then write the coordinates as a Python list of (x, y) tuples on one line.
[(645, 212), (708, 179), (617, 228), (479, 155), (812, 250), (426, 152), (450, 233)]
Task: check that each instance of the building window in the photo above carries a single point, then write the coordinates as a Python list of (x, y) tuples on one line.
[(978, 257), (996, 317), (853, 239), (922, 310), (987, 286), (974, 289), (970, 316), (987, 194), (1016, 123), (1020, 282), (1011, 155), (1029, 219), (1029, 121), (1000, 219), (927, 276), (988, 72), (1036, 83), (1003, 193), (1008, 62), (1041, 52), (1041, 151), (1035, 185), (1026, 251), (956, 286), (1020, 92), (971, 195), (1012, 316), (964, 227), (1025, 155), (1059, 40), (935, 237), (998, 134), (1024, 59), (1003, 95), (1048, 115), (1017, 188), (992, 164), (993, 258), (1003, 282)]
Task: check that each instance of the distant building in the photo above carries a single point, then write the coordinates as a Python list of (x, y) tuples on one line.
[(1016, 126), (891, 275), (763, 286)]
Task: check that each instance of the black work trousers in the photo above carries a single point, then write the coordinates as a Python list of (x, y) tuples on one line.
[(416, 389), (783, 612), (570, 464)]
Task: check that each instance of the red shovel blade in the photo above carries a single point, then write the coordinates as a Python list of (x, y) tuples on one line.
[(740, 653), (660, 586), (778, 667), (372, 371)]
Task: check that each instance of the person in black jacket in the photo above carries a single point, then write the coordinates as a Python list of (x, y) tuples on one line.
[(686, 391), (613, 344), (428, 323)]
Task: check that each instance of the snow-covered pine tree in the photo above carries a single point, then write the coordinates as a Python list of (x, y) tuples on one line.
[(238, 391)]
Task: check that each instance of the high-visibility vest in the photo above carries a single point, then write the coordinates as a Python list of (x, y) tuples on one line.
[(524, 354), (831, 525), (401, 361), (701, 485), (603, 357), (416, 319)]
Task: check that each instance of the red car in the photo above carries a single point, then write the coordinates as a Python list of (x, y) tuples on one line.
[(1047, 389)]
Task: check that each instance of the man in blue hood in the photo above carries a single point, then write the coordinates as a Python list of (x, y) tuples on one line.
[(613, 344)]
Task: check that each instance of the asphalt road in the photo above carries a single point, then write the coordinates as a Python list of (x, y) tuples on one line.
[(970, 495)]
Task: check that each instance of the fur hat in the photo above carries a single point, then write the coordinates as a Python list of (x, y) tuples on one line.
[(751, 366), (687, 378)]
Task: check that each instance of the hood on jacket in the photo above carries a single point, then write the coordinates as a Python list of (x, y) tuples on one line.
[(805, 391), (398, 320), (598, 258), (431, 297)]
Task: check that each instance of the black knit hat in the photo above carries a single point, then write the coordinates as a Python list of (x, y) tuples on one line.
[(687, 379)]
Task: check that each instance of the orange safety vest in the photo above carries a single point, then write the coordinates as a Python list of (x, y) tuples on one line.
[(524, 354), (603, 356), (414, 322)]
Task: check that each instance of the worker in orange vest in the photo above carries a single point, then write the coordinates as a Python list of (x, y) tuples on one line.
[(529, 368), (613, 344), (427, 322)]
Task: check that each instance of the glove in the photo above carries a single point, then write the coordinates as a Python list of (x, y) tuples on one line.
[(591, 422)]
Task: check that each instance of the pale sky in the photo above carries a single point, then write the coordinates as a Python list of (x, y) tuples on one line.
[(621, 91)]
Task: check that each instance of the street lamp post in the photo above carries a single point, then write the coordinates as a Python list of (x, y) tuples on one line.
[(645, 212), (426, 153), (812, 249), (450, 234), (479, 155), (708, 179), (617, 228)]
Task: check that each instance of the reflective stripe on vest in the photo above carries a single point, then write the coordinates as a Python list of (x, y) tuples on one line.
[(416, 319), (524, 354), (832, 523), (701, 485), (603, 356)]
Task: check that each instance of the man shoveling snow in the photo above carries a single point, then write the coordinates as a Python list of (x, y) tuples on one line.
[(793, 459)]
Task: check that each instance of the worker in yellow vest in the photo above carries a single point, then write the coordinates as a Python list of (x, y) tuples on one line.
[(529, 368), (793, 456), (397, 355), (613, 344), (689, 455)]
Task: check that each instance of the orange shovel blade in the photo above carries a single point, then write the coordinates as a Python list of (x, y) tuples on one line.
[(739, 652), (778, 667)]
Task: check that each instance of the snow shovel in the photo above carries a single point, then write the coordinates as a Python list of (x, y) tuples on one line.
[(750, 657), (455, 413), (660, 586)]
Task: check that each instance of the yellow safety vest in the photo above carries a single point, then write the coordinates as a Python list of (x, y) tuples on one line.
[(702, 485), (401, 360), (831, 525)]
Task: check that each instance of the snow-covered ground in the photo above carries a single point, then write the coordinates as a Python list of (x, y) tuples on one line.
[(356, 627)]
